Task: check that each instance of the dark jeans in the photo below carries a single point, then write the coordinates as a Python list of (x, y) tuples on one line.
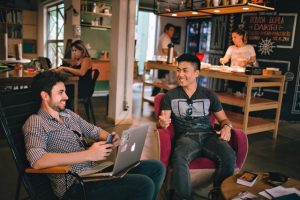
[(193, 145), (141, 183)]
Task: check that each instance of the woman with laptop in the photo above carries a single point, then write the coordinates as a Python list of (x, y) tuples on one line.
[(53, 137), (81, 66)]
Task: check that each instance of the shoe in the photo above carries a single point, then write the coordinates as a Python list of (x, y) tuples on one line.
[(215, 194)]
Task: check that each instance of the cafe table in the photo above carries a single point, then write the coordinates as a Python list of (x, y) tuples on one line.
[(15, 61), (23, 78)]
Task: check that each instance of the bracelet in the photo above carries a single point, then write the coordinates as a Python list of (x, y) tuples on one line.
[(229, 125)]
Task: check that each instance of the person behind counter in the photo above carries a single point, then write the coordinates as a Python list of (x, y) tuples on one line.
[(81, 67), (162, 50), (240, 53)]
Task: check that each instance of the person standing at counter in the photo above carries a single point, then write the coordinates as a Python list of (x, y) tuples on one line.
[(162, 50), (240, 53), (81, 67)]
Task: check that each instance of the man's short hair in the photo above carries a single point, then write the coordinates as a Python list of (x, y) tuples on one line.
[(45, 81), (190, 58), (168, 26)]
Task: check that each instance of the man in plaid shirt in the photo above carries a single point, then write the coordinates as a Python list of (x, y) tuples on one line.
[(53, 137)]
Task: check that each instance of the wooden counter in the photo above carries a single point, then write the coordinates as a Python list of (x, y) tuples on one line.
[(248, 103)]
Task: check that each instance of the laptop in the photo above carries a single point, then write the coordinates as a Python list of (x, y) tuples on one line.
[(128, 155)]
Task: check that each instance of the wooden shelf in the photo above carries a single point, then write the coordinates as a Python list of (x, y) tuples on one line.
[(219, 10), (160, 85), (238, 8), (98, 14), (149, 99), (96, 27), (255, 124), (256, 103)]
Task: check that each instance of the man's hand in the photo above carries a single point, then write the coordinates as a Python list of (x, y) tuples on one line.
[(116, 140), (99, 151), (164, 119), (225, 133)]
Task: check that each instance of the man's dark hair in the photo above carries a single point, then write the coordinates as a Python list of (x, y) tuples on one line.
[(190, 58), (45, 81), (168, 26)]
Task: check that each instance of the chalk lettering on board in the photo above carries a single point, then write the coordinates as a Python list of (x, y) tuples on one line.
[(279, 28), (296, 101)]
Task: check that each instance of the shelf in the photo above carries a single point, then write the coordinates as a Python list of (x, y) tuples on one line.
[(238, 8), (96, 27), (256, 103), (255, 124), (185, 14), (98, 14), (220, 10), (160, 85), (149, 99)]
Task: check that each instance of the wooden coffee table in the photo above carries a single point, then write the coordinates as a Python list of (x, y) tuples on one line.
[(231, 189)]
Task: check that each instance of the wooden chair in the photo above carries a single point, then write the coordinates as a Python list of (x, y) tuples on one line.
[(201, 168), (86, 97), (15, 107)]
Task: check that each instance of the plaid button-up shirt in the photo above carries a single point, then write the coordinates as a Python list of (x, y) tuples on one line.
[(45, 134)]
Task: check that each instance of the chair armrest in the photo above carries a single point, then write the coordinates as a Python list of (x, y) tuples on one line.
[(165, 144), (239, 143), (49, 170)]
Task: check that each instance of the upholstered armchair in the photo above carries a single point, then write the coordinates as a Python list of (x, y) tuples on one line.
[(201, 168)]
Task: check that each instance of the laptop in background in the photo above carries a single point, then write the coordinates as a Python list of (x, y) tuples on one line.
[(128, 155)]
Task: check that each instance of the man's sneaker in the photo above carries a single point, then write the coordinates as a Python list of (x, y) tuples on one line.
[(215, 194)]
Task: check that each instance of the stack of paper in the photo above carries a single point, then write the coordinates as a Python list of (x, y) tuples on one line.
[(278, 192)]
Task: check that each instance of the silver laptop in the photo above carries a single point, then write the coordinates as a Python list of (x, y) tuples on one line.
[(128, 155)]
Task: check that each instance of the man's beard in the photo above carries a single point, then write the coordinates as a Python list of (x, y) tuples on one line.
[(57, 108)]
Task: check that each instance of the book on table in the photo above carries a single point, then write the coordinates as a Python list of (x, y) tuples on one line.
[(247, 178)]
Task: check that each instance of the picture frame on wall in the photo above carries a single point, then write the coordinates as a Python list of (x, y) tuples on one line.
[(177, 35)]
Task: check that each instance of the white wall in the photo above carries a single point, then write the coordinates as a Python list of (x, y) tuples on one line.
[(162, 21)]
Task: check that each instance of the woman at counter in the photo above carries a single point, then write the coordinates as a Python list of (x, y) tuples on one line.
[(240, 53), (82, 67)]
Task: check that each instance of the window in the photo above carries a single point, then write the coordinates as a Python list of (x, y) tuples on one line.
[(55, 33)]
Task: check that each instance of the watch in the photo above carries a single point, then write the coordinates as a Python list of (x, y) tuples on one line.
[(229, 125)]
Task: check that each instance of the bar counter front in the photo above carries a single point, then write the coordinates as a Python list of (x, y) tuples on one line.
[(23, 78)]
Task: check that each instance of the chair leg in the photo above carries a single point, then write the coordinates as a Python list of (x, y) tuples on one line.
[(17, 196), (86, 107), (92, 110)]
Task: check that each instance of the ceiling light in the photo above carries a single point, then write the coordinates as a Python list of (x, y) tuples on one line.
[(195, 13), (246, 8), (216, 11), (174, 14)]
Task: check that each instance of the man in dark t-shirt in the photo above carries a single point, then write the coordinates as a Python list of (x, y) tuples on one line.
[(189, 107)]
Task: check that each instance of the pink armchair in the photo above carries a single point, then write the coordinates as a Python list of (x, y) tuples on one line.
[(201, 168)]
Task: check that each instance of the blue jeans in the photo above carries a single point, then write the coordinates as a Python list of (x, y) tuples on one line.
[(193, 145), (141, 183)]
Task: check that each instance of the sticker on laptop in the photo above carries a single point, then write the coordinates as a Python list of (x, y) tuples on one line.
[(124, 141)]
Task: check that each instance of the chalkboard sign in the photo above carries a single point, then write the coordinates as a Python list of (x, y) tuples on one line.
[(270, 30)]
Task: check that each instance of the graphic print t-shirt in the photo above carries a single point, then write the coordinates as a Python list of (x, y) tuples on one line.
[(191, 114)]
